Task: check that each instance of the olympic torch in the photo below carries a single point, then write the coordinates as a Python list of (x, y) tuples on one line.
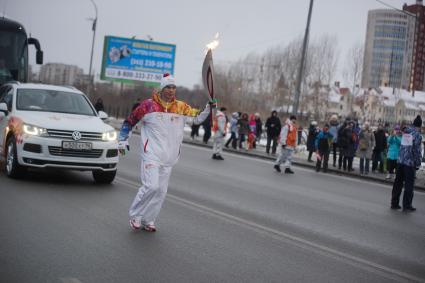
[(208, 71)]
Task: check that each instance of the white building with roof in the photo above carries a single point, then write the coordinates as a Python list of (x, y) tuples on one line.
[(323, 101), (391, 105)]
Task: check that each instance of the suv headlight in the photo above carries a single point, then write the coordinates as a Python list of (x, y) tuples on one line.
[(34, 130), (109, 136)]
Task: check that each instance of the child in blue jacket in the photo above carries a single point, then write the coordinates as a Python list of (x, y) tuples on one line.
[(394, 142), (322, 144)]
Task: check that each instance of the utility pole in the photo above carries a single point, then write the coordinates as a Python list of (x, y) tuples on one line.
[(302, 63), (92, 48)]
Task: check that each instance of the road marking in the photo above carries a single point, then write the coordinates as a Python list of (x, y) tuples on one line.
[(69, 280), (290, 239), (270, 162)]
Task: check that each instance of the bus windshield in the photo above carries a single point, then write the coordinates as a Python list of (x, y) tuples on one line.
[(13, 56)]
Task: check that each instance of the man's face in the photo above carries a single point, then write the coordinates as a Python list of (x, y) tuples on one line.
[(325, 129), (168, 93), (293, 121)]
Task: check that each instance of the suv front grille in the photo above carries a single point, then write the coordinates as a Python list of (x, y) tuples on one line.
[(59, 151), (85, 136)]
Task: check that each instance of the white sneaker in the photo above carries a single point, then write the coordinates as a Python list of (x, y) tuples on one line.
[(136, 223), (388, 176), (149, 227)]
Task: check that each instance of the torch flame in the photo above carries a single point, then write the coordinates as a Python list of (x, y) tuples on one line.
[(213, 44)]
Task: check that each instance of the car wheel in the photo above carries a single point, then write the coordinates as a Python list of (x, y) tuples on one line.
[(104, 177), (13, 169)]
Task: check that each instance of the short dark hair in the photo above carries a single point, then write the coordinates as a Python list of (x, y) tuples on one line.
[(292, 117)]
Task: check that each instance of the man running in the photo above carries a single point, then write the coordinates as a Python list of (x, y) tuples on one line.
[(163, 118)]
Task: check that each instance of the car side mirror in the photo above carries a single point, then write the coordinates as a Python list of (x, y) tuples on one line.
[(39, 53), (3, 108), (39, 57), (102, 115)]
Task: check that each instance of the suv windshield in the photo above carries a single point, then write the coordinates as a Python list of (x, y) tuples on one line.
[(53, 101)]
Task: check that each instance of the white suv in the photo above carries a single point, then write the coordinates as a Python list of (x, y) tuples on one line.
[(53, 126)]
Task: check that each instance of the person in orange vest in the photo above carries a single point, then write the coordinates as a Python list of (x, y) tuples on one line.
[(219, 130), (288, 141)]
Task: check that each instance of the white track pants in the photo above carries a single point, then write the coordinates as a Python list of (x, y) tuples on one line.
[(218, 144), (285, 157), (148, 201)]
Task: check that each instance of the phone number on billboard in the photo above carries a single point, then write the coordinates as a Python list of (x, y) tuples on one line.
[(133, 75)]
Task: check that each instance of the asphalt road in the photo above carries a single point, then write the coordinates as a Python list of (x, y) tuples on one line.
[(230, 221)]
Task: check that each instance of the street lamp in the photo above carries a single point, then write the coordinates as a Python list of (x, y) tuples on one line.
[(92, 44)]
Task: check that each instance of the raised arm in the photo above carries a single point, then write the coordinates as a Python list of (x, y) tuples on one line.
[(195, 115)]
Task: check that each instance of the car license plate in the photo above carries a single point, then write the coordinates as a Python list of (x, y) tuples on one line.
[(76, 145)]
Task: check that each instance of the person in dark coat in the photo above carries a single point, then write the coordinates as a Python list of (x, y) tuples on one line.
[(273, 127), (234, 133), (244, 129), (409, 160), (348, 145), (207, 130), (340, 142), (380, 147), (311, 139), (99, 105), (258, 127), (195, 131)]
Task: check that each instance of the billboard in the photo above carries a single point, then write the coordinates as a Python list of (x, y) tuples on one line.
[(134, 60)]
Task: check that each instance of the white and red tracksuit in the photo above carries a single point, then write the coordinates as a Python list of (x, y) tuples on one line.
[(220, 130), (288, 137), (161, 133)]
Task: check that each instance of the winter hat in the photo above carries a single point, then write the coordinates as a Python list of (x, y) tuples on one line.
[(167, 80), (223, 108), (334, 118), (314, 123), (397, 128), (418, 121)]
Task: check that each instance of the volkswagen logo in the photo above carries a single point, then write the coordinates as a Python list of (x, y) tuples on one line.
[(76, 135)]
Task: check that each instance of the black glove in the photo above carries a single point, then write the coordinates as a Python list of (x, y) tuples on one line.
[(224, 135), (283, 146)]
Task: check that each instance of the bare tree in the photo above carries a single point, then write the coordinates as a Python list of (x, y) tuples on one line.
[(323, 60), (354, 65), (261, 82)]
